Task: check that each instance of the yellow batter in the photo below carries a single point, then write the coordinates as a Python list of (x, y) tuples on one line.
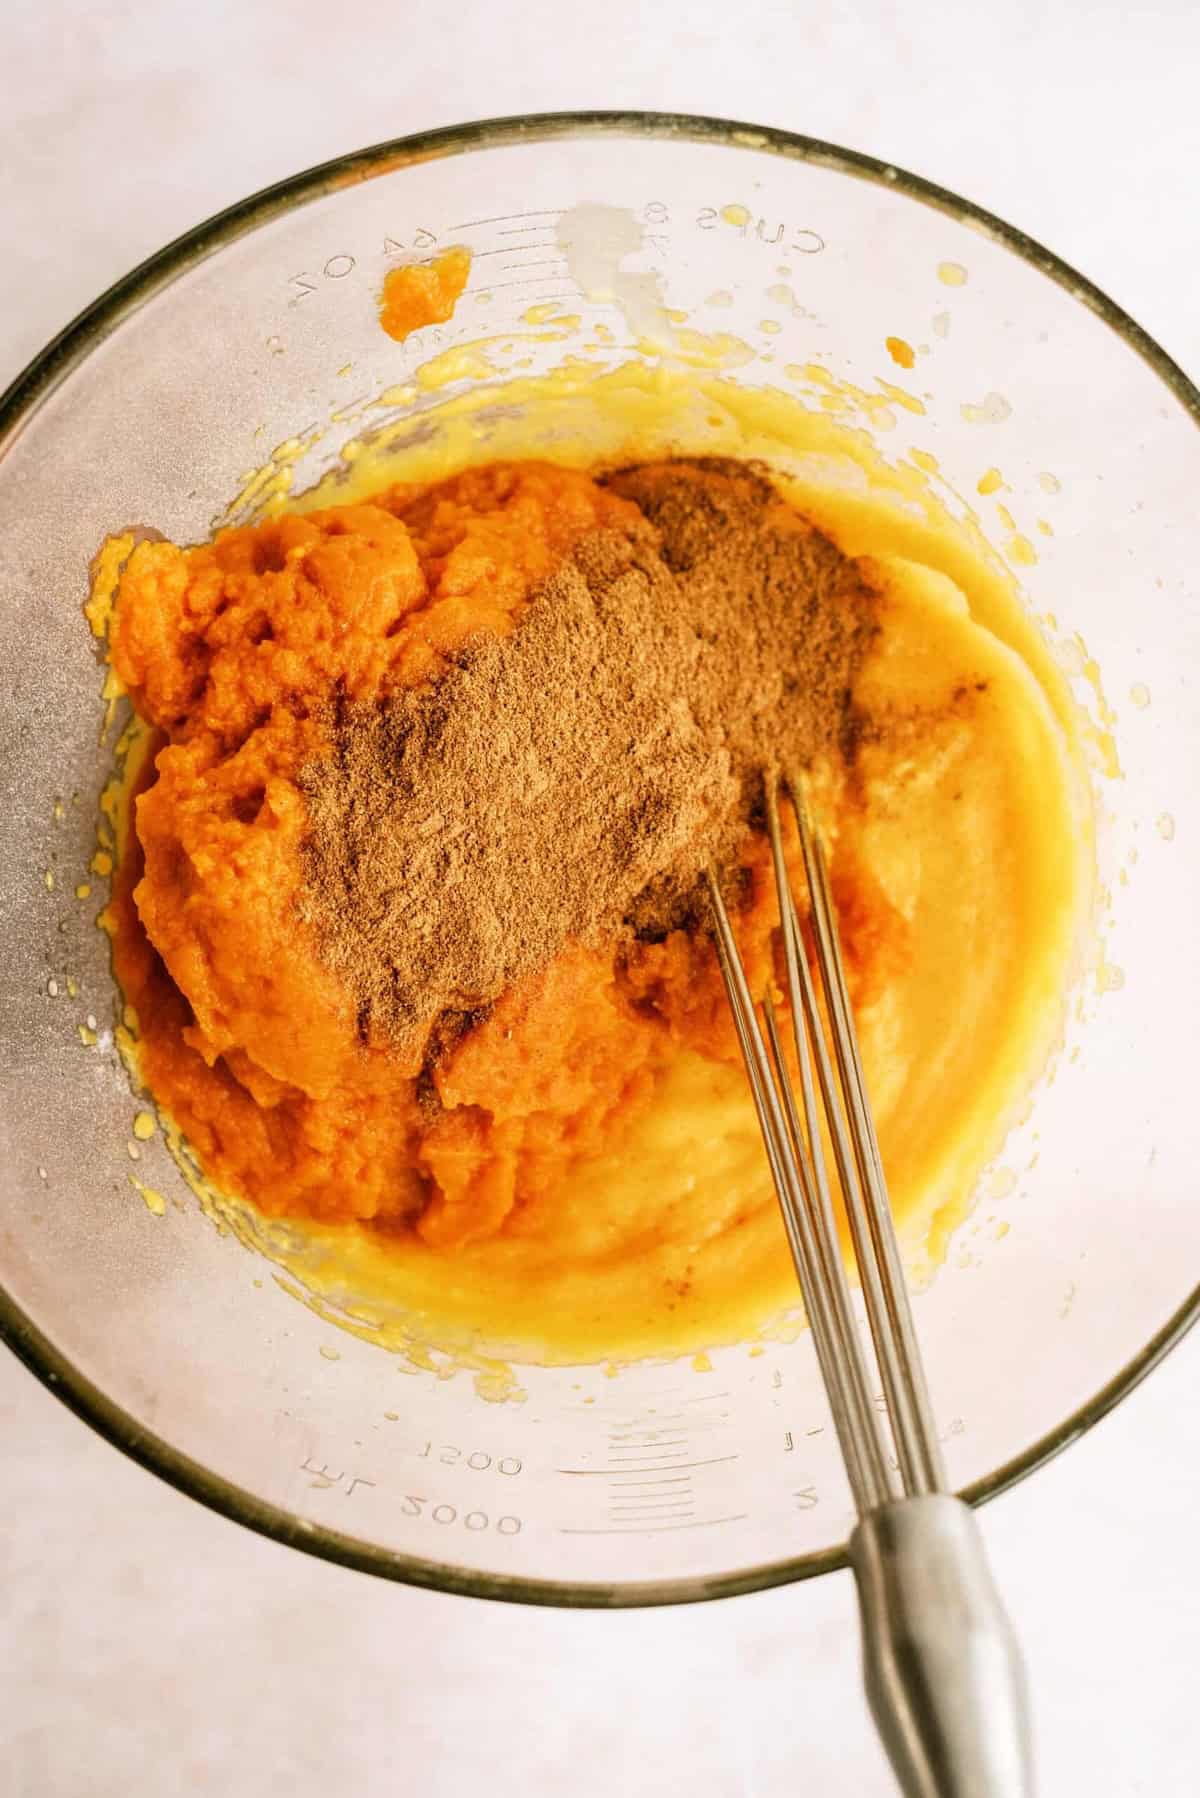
[(977, 829)]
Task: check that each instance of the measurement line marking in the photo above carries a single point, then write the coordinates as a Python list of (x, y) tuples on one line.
[(519, 230), (639, 1438), (633, 1501), (671, 1467), (662, 1421), (569, 293), (653, 1517), (509, 249), (656, 1529), (504, 218), (649, 1433), (704, 1398), (652, 1513), (639, 1435), (546, 262), (683, 1479), (683, 1505), (647, 1450), (680, 1504)]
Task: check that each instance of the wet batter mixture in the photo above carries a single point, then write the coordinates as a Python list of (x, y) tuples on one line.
[(409, 908)]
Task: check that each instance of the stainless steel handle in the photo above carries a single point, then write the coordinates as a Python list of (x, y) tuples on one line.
[(941, 1665)]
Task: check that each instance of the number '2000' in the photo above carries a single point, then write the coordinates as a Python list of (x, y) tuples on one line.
[(413, 1506)]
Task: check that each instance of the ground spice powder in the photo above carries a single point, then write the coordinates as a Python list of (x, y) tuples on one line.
[(570, 782)]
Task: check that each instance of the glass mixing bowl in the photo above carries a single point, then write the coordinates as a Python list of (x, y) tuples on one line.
[(665, 1482)]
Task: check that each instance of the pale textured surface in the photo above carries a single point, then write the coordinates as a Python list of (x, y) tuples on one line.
[(150, 1646)]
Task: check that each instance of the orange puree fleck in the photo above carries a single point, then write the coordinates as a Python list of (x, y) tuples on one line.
[(229, 651), (423, 293)]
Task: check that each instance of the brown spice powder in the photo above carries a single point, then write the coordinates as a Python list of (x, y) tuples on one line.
[(572, 781)]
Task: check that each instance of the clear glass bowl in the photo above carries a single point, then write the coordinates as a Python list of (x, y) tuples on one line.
[(663, 1483)]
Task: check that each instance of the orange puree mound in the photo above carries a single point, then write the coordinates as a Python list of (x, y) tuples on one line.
[(544, 1080), (423, 293), (212, 640), (230, 650)]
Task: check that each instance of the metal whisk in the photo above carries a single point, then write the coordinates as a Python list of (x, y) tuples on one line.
[(941, 1666)]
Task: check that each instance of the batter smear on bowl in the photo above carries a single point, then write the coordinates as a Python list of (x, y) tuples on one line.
[(410, 908)]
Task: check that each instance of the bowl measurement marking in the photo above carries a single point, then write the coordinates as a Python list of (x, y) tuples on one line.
[(413, 1505), (325, 1478), (659, 1529), (478, 1459), (712, 1461), (654, 217)]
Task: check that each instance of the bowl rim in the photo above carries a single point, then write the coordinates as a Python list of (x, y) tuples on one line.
[(61, 356)]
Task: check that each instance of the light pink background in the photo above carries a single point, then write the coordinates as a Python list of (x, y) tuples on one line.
[(150, 1647)]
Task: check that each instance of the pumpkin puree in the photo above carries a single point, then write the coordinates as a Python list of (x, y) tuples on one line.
[(423, 293), (954, 919), (248, 1041)]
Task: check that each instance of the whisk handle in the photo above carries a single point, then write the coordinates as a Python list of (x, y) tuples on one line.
[(941, 1665)]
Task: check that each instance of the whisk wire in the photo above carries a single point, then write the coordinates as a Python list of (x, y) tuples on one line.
[(806, 1031), (871, 1485), (865, 1465), (885, 1292), (797, 1160)]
